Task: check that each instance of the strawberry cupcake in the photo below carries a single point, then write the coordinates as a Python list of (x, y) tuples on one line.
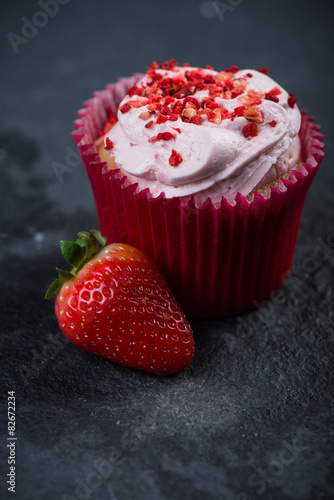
[(205, 171)]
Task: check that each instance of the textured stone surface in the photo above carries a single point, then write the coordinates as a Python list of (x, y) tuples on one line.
[(252, 417)]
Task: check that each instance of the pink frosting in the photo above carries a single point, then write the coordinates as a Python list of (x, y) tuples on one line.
[(218, 159)]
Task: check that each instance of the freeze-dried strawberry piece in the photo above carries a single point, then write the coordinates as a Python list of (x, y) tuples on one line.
[(250, 130), (275, 91), (239, 83), (232, 69), (153, 107), (252, 98), (214, 117), (136, 103), (193, 101), (249, 75), (183, 92), (109, 144), (149, 124), (209, 79), (162, 136), (239, 111), (154, 75), (153, 98), (165, 83), (185, 65), (178, 130), (228, 84), (175, 158), (208, 66), (178, 107), (161, 119), (173, 117), (223, 76), (216, 90), (273, 123), (201, 86), (265, 71), (291, 100), (236, 93), (208, 103), (195, 76), (253, 114), (188, 112), (125, 108), (170, 64), (164, 110), (224, 113), (271, 97), (168, 100), (135, 90), (196, 119), (153, 65)]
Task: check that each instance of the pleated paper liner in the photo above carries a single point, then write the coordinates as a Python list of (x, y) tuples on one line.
[(218, 260)]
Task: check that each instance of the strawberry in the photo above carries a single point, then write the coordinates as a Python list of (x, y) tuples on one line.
[(116, 303)]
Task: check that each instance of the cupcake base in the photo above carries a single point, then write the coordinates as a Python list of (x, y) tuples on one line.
[(218, 260)]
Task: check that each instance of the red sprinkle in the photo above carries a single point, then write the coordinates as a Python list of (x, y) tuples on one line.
[(153, 65), (265, 71), (164, 110), (109, 144), (168, 64), (275, 91), (149, 124), (168, 100), (273, 123), (196, 119), (239, 111), (210, 104), (162, 136), (253, 114), (209, 79), (125, 108), (135, 90), (161, 119), (271, 97), (175, 158), (165, 83), (232, 69), (250, 130), (291, 100), (192, 100)]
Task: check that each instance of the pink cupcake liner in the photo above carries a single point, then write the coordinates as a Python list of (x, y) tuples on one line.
[(218, 260)]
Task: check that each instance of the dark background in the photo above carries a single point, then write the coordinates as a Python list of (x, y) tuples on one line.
[(252, 417)]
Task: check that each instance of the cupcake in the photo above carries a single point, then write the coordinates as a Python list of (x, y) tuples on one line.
[(205, 171)]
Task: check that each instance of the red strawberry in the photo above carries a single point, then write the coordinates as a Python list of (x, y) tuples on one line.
[(116, 303)]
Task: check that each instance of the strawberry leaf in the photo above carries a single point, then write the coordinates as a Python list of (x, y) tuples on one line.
[(75, 255), (101, 239), (72, 252), (64, 275), (54, 288), (91, 243)]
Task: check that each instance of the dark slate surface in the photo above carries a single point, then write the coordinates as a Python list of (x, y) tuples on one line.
[(251, 418)]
